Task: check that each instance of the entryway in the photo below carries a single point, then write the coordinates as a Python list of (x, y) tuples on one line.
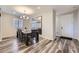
[(64, 25)]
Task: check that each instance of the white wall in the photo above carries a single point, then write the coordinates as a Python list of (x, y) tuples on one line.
[(7, 25), (58, 26), (48, 26), (75, 17), (0, 29), (76, 24)]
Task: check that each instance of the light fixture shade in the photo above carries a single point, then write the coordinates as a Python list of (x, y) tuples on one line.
[(27, 17), (24, 17), (20, 16)]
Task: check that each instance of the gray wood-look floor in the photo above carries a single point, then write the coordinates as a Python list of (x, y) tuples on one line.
[(43, 46)]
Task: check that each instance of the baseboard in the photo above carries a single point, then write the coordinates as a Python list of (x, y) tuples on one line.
[(64, 37), (8, 37)]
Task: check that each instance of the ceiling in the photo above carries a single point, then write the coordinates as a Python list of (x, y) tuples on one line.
[(34, 9)]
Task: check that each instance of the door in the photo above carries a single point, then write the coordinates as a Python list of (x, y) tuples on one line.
[(66, 25)]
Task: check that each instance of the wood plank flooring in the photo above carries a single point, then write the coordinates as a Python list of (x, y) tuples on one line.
[(43, 46)]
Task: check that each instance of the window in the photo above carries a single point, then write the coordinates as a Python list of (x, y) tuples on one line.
[(18, 23)]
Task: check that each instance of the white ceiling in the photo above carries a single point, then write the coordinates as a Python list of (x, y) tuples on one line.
[(58, 8), (33, 9)]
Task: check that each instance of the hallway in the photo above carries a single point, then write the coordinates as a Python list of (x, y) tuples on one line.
[(44, 46)]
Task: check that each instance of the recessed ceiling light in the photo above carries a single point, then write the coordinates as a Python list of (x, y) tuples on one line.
[(38, 7)]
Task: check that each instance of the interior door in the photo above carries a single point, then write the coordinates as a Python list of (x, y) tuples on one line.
[(66, 22)]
